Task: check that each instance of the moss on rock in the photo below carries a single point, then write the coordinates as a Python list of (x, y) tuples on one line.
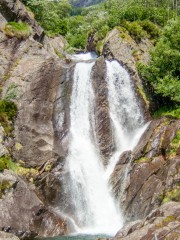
[(21, 30)]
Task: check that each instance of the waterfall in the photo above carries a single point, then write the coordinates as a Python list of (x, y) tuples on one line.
[(93, 207), (125, 113)]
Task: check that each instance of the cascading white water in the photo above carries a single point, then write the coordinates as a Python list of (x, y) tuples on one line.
[(93, 208), (126, 117)]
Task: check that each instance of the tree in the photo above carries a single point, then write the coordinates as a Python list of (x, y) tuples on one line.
[(163, 72), (51, 14)]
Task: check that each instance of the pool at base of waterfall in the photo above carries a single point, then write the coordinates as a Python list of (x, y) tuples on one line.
[(75, 237)]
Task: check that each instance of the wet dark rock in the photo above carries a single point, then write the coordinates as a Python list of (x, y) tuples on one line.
[(103, 129)]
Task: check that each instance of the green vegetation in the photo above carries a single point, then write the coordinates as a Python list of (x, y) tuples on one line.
[(51, 14), (175, 143), (163, 71), (167, 111), (173, 195), (8, 110), (4, 186), (21, 30), (7, 163), (11, 92), (140, 18), (142, 160)]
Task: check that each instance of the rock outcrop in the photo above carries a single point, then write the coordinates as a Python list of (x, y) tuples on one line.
[(7, 236), (37, 74), (103, 128), (152, 173), (14, 10), (119, 45), (23, 213), (163, 223)]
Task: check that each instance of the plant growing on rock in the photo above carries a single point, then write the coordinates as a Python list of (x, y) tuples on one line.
[(8, 110), (11, 92), (21, 30)]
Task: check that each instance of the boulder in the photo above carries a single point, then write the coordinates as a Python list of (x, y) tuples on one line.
[(7, 236), (148, 176), (163, 223), (24, 214)]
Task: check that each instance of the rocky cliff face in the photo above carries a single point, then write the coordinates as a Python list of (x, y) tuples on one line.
[(41, 86), (152, 170), (38, 74)]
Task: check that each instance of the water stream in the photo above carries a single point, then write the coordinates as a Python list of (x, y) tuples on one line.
[(93, 208)]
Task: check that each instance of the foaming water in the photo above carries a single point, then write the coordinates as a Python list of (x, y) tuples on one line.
[(92, 207), (94, 210), (84, 56), (126, 117)]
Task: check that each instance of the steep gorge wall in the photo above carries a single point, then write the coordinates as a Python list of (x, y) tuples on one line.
[(39, 77)]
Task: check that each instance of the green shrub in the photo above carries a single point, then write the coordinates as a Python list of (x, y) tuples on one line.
[(8, 110), (152, 29), (167, 111), (7, 163), (135, 30), (21, 30), (173, 195), (163, 71)]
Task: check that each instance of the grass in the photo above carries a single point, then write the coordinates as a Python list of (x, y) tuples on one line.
[(21, 30)]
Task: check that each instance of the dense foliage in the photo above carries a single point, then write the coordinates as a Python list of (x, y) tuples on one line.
[(163, 72), (58, 17), (51, 14)]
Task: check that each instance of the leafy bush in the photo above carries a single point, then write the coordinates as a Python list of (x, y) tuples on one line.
[(51, 14), (167, 111), (135, 30), (9, 108), (163, 72), (152, 29), (21, 30), (8, 111), (7, 163)]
